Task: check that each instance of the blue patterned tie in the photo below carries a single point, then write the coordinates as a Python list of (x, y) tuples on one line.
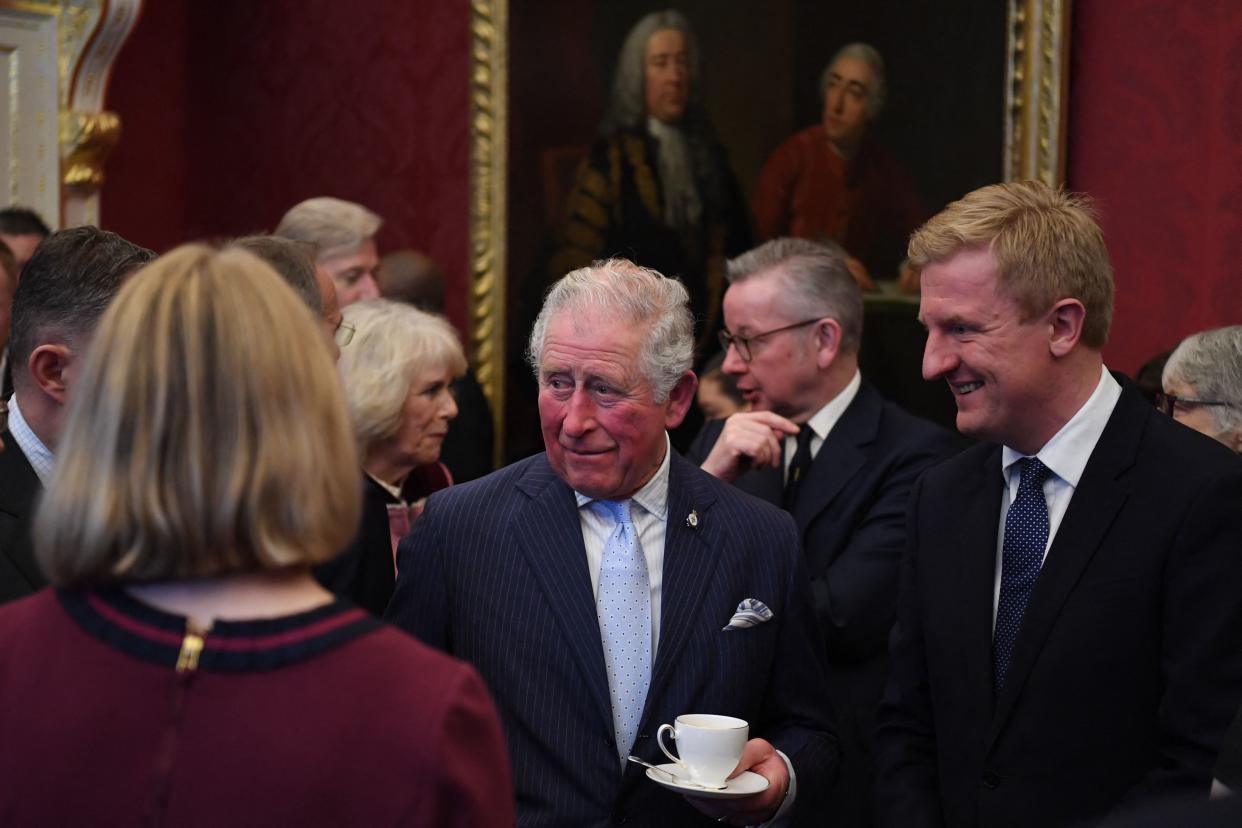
[(624, 609), (1026, 536)]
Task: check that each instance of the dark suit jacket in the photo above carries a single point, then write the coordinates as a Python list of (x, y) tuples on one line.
[(495, 572), (363, 571), (19, 490), (1128, 664), (851, 515)]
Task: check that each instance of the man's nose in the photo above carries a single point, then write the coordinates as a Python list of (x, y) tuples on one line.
[(579, 414), (938, 358), (733, 362), (367, 288)]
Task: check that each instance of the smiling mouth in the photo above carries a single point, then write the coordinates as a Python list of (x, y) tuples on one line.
[(585, 452), (961, 389)]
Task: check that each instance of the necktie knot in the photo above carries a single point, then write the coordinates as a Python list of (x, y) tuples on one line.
[(618, 510), (1033, 473)]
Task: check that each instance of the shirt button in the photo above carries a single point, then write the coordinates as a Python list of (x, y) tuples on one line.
[(991, 779)]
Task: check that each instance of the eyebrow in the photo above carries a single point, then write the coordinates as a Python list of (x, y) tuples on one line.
[(859, 85)]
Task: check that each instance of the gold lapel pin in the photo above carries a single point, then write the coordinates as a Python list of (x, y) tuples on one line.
[(692, 519)]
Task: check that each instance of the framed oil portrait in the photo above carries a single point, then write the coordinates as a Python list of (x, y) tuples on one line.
[(976, 94)]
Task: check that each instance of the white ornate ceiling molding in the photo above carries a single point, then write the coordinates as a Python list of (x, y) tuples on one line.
[(1037, 90), (58, 57)]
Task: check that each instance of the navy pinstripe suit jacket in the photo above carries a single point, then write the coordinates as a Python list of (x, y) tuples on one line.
[(495, 573)]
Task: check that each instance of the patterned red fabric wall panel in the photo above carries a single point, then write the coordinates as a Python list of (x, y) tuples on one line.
[(1155, 135), (288, 99), (143, 196)]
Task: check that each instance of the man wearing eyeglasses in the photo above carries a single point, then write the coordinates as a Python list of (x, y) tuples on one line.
[(824, 445), (1203, 385)]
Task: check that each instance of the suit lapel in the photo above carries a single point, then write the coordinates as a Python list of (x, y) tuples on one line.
[(549, 532), (1094, 506), (766, 484), (840, 457), (979, 522), (688, 567)]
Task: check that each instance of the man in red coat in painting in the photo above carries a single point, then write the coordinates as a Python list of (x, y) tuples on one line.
[(829, 182)]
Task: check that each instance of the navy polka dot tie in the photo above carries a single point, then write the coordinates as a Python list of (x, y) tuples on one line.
[(624, 608), (1026, 536)]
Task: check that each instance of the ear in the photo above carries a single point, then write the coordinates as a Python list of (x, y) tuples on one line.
[(827, 342), (1234, 440), (1065, 326), (48, 366), (680, 399)]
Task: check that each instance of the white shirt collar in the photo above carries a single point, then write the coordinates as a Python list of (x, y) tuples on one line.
[(822, 421), (40, 458), (653, 496), (1067, 453)]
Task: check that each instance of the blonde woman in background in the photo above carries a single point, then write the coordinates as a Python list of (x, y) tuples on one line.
[(396, 369)]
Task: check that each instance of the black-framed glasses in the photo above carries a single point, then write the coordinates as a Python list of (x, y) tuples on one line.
[(1168, 403), (344, 334), (744, 343)]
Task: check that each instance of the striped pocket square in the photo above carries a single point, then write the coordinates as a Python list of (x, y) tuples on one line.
[(750, 613)]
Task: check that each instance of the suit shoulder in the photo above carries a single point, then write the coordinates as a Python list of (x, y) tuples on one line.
[(704, 441), (732, 499), (1185, 454), (971, 461), (487, 489), (901, 428)]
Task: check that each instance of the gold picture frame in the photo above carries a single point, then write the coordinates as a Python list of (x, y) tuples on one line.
[(1036, 101)]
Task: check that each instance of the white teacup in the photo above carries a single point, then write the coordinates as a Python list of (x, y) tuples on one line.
[(709, 746)]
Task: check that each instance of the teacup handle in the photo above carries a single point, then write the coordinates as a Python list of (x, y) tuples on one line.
[(660, 742)]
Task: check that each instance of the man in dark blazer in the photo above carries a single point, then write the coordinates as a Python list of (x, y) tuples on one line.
[(513, 572), (65, 287), (1067, 640), (793, 317)]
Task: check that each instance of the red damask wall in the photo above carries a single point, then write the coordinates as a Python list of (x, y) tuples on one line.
[(234, 110), (1156, 137)]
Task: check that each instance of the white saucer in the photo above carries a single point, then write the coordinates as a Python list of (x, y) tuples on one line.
[(745, 783)]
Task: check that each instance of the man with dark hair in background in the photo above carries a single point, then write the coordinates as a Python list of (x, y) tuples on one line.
[(64, 290), (22, 230), (8, 284)]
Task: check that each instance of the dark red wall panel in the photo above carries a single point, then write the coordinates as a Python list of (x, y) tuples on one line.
[(288, 99), (1156, 138), (144, 194)]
